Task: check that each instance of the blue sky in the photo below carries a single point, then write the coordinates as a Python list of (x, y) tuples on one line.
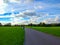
[(29, 11)]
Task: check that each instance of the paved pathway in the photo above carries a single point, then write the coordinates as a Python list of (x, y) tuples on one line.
[(33, 37)]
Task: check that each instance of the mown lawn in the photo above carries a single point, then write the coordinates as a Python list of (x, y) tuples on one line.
[(55, 31), (11, 36)]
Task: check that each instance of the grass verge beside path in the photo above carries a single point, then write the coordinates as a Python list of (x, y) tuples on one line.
[(55, 31), (11, 36)]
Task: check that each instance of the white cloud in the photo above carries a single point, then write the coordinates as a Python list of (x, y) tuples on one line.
[(2, 7), (15, 1), (35, 18), (28, 1), (38, 7), (6, 16), (26, 13), (21, 1), (57, 19), (3, 22), (52, 20), (42, 5)]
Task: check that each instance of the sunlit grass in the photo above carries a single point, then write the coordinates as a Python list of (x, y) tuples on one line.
[(55, 31), (11, 36)]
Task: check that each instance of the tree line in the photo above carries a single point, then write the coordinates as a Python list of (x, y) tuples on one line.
[(42, 24)]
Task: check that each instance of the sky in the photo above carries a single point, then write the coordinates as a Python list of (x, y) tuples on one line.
[(29, 11)]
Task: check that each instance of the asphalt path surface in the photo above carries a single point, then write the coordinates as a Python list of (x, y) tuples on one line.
[(33, 37)]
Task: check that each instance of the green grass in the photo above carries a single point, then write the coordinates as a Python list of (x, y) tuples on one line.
[(55, 31), (11, 36)]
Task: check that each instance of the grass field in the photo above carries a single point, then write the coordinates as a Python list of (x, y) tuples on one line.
[(11, 36), (55, 31)]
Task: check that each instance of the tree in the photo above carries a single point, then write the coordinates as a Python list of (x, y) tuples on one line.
[(30, 24), (0, 24), (8, 24), (41, 24)]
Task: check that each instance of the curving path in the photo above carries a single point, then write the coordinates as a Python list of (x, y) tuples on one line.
[(33, 37)]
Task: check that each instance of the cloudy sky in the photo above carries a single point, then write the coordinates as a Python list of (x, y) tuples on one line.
[(29, 11)]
